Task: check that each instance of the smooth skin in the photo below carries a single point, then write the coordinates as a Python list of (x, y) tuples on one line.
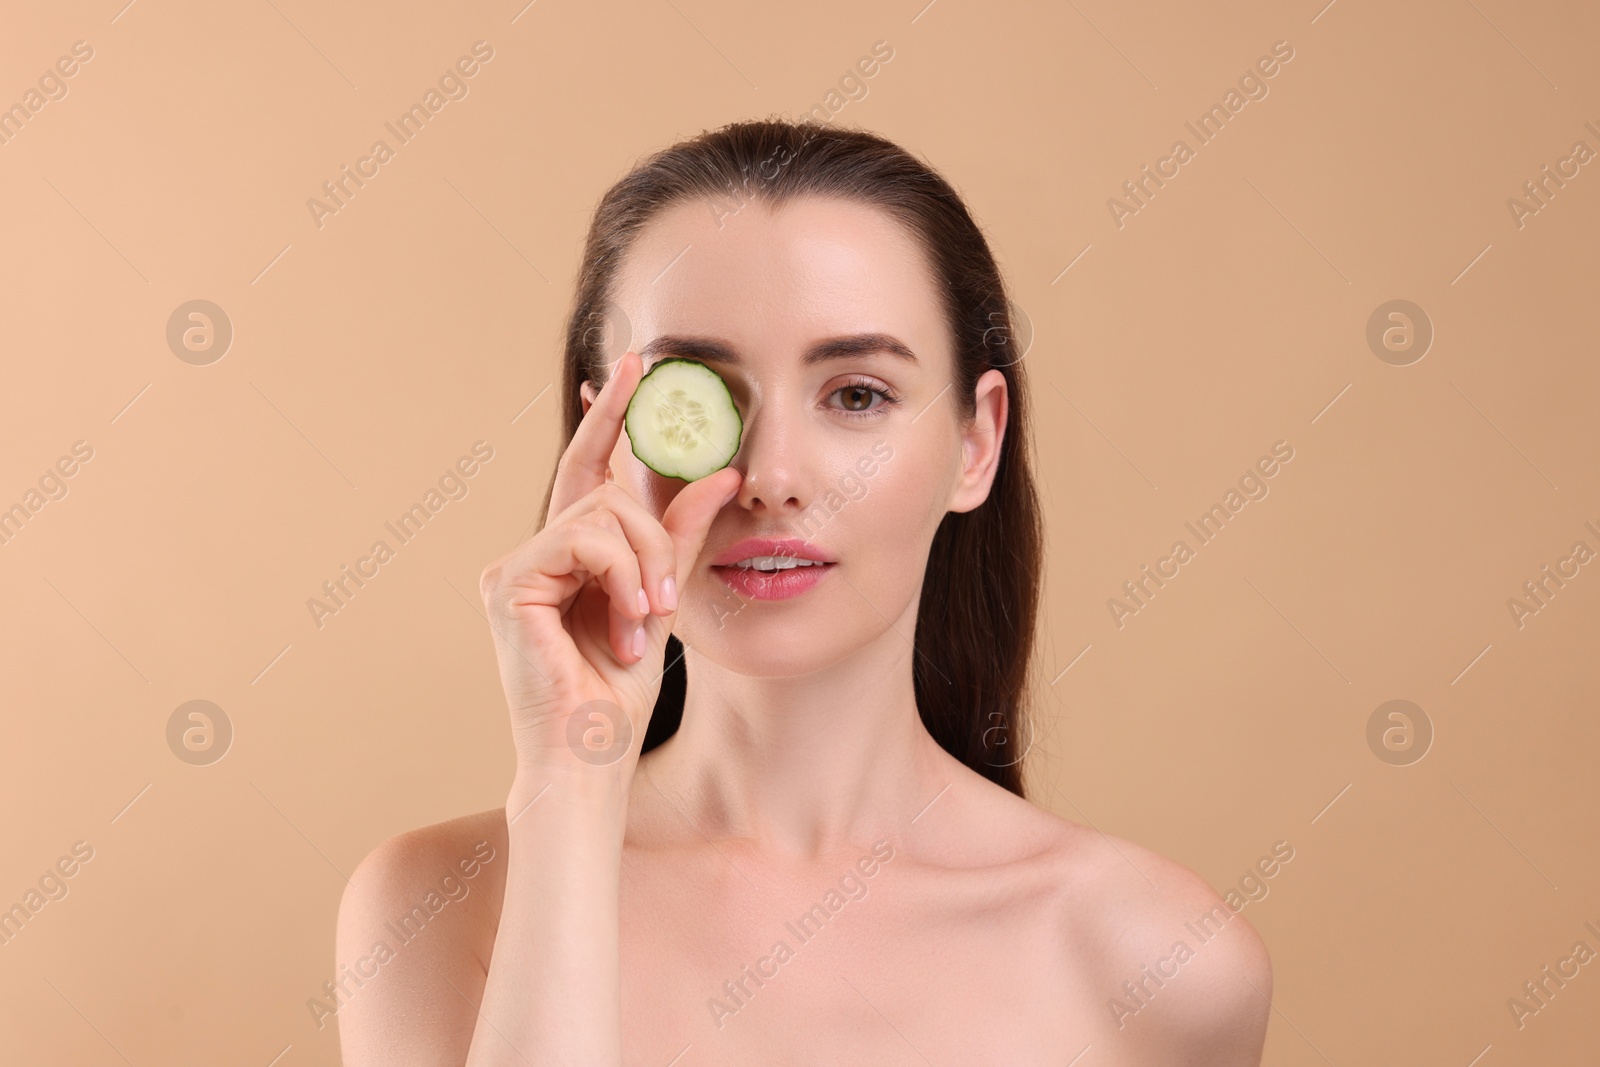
[(632, 912)]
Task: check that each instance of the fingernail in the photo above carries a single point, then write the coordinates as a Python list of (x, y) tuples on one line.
[(644, 603), (669, 593), (638, 641)]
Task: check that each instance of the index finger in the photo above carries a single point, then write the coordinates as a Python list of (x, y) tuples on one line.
[(583, 464)]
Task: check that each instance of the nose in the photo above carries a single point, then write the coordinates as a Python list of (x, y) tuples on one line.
[(771, 459)]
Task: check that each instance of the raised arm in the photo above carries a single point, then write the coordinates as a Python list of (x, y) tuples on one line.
[(579, 616)]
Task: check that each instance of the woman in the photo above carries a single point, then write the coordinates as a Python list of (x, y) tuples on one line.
[(773, 818)]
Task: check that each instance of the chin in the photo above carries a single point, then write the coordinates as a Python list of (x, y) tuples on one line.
[(771, 638)]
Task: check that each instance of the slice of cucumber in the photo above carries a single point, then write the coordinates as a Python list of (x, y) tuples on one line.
[(682, 421)]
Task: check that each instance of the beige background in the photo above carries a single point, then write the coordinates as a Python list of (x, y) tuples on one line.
[(1229, 313)]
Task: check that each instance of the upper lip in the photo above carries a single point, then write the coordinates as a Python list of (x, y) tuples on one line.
[(751, 547)]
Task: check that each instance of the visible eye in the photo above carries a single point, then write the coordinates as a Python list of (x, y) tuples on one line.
[(856, 398)]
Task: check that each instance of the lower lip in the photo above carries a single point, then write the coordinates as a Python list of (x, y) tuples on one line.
[(780, 585)]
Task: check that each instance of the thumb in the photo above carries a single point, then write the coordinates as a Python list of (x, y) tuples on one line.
[(688, 518)]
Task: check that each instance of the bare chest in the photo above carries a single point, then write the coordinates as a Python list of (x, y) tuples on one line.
[(893, 969)]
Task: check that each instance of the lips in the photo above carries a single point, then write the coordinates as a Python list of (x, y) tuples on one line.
[(779, 584), (755, 547)]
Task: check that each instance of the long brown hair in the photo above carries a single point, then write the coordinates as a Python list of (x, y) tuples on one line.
[(975, 621)]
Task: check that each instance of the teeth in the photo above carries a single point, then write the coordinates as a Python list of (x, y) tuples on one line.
[(772, 564)]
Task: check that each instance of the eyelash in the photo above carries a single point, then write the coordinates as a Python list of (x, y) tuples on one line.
[(889, 399)]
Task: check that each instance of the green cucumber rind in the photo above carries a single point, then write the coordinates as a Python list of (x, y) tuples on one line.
[(738, 436)]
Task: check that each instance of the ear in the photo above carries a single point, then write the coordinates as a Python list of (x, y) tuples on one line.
[(981, 441)]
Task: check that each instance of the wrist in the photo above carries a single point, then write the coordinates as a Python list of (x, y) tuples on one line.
[(572, 784)]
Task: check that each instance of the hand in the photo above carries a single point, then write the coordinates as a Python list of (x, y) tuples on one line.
[(580, 612)]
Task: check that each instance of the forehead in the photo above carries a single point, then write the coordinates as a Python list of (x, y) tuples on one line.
[(770, 279)]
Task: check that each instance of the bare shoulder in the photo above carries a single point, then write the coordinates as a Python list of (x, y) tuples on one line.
[(415, 932), (1174, 973), (1179, 974)]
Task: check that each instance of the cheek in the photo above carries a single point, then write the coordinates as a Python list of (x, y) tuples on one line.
[(913, 486), (887, 531)]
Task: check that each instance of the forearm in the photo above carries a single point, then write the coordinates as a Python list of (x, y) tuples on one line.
[(553, 991)]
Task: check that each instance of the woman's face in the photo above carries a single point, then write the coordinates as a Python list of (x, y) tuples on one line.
[(849, 447)]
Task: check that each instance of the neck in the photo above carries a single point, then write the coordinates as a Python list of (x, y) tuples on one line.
[(803, 766)]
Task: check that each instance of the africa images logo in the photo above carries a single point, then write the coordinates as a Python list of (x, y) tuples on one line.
[(341, 189)]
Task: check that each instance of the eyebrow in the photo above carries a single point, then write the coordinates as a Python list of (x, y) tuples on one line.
[(713, 350)]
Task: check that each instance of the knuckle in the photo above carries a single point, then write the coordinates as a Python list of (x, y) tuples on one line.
[(626, 565), (613, 498), (499, 596), (606, 520), (580, 521), (501, 603), (489, 580)]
